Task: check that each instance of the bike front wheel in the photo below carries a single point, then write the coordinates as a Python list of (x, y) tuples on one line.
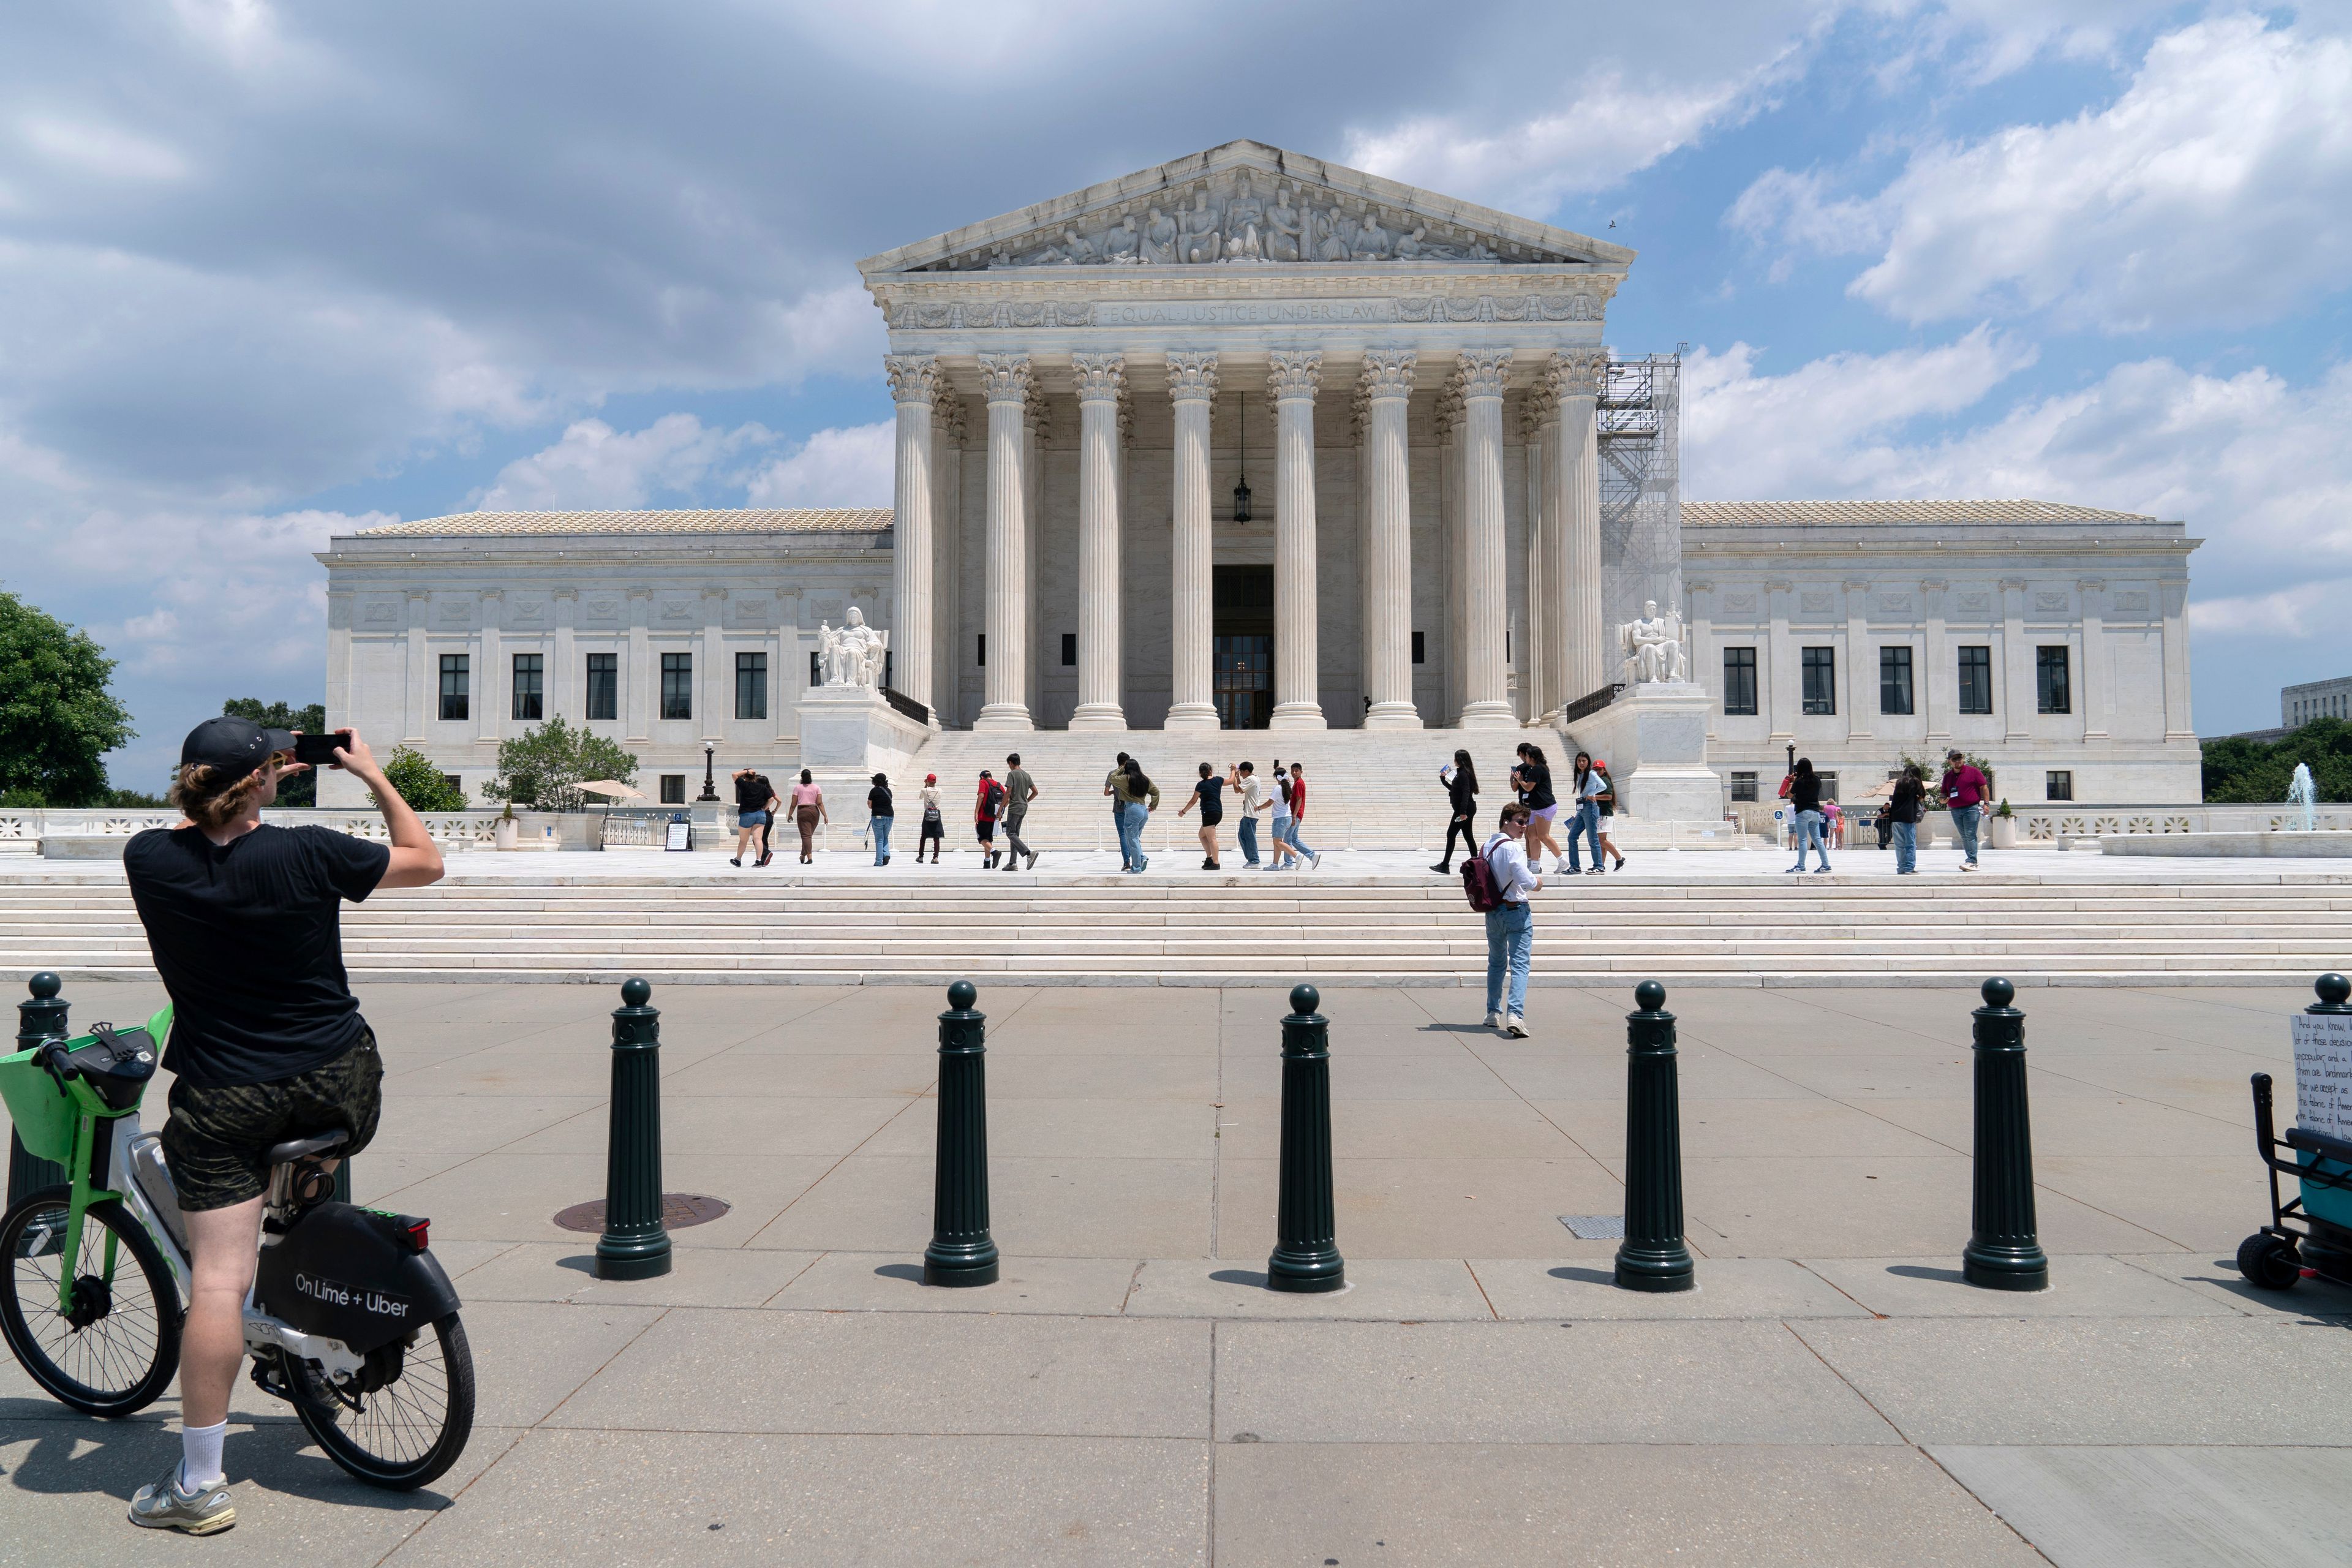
[(117, 1347), (406, 1419)]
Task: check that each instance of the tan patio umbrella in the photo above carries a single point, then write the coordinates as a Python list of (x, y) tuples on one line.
[(613, 788)]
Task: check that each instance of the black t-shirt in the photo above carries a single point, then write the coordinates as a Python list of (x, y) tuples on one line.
[(1805, 791), (1461, 796), (752, 791), (248, 936), (1212, 799), (1538, 793), (878, 801)]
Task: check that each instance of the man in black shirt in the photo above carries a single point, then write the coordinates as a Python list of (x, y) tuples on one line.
[(267, 1041)]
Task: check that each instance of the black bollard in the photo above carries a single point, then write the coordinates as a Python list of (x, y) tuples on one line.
[(634, 1245), (41, 1018), (1652, 1257), (1306, 1230), (2003, 1252), (961, 1251)]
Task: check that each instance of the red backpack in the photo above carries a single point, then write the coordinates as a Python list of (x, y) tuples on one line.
[(1479, 883)]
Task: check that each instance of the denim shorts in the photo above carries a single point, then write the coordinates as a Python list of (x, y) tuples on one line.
[(752, 819)]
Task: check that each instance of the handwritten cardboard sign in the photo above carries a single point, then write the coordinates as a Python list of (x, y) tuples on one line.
[(2322, 1072)]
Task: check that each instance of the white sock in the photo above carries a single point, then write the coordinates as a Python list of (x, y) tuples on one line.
[(200, 1457)]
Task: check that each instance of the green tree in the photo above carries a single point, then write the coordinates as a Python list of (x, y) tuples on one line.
[(2240, 771), (58, 717), (543, 768), (302, 789), (420, 782)]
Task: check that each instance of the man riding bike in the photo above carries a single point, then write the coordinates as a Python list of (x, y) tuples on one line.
[(268, 1043)]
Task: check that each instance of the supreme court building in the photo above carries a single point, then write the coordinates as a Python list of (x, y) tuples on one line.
[(1252, 440)]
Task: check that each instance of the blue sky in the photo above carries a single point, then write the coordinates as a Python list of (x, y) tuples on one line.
[(272, 273)]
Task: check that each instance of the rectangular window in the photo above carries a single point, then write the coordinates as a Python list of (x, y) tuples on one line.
[(1894, 681), (1820, 679), (2053, 692), (816, 670), (1743, 786), (1828, 786), (1069, 649), (454, 781), (673, 789), (529, 675), (1976, 679), (677, 686), (2058, 785), (457, 681), (604, 686), (751, 686), (1738, 681), (1420, 647), (984, 651)]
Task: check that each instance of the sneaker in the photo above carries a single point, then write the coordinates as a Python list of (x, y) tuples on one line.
[(1032, 860), (1493, 1020), (1823, 871), (1799, 867), (1516, 1027), (1442, 870), (735, 860), (1968, 865), (1315, 860), (163, 1505)]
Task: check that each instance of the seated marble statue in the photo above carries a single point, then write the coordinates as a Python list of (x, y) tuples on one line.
[(1244, 221), (1283, 227), (1159, 235), (1120, 243), (852, 654), (1203, 240), (1409, 246), (1336, 231), (1653, 646), (1371, 240)]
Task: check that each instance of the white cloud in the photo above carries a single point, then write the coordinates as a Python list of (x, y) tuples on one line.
[(595, 468), (2217, 189), (2305, 610), (851, 466)]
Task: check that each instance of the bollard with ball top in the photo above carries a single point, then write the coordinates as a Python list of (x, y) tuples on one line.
[(41, 1018), (1652, 1257), (961, 1251), (634, 1246), (2003, 1252), (1307, 1247)]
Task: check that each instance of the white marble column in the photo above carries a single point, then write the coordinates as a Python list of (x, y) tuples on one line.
[(639, 679), (1388, 542), (1100, 379), (488, 718), (1860, 694), (1547, 576), (1448, 426), (2017, 696), (1193, 385), (563, 675), (1032, 514), (2178, 725), (1698, 599), (2091, 701), (1486, 692), (1584, 664), (1937, 685), (718, 685), (948, 645), (1004, 679), (424, 678), (1293, 378), (1782, 679), (915, 384)]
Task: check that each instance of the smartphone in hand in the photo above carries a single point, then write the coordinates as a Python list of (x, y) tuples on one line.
[(319, 750)]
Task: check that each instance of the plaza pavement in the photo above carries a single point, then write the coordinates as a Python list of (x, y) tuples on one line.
[(1130, 1394)]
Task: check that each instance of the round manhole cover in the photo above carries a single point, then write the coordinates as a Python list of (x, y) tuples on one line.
[(680, 1210)]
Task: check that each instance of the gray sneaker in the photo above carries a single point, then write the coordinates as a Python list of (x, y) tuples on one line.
[(163, 1505)]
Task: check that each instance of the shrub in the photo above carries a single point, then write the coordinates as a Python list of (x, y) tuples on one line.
[(543, 768), (420, 782)]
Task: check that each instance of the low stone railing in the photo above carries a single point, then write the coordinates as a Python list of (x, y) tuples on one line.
[(2049, 824), (22, 831)]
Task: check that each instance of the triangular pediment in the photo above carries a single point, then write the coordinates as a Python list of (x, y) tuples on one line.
[(1248, 205)]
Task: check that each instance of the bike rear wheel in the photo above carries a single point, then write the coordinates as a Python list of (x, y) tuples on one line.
[(411, 1427), (119, 1347)]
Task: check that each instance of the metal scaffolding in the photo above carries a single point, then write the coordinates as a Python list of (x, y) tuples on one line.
[(1639, 423)]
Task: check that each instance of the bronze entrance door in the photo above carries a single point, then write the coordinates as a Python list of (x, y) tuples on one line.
[(1243, 641)]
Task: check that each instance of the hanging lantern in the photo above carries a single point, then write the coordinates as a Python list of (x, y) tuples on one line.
[(1241, 480)]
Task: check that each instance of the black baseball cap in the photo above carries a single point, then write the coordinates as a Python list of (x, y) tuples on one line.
[(233, 747)]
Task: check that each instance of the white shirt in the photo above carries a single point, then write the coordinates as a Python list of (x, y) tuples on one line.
[(1281, 801), (1514, 880), (1253, 793)]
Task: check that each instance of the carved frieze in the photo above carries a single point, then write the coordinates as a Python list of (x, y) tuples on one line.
[(986, 315), (2047, 602)]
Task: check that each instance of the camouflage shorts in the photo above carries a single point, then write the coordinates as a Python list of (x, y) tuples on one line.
[(217, 1140)]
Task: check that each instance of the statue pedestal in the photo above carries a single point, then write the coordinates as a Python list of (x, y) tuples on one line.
[(1653, 738), (851, 729)]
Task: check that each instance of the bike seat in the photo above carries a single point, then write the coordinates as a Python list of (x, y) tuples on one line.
[(304, 1148)]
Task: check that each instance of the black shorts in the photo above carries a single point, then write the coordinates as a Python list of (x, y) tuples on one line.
[(987, 831), (217, 1142), (933, 828)]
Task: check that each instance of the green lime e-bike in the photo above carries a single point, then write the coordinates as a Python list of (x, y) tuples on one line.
[(350, 1321)]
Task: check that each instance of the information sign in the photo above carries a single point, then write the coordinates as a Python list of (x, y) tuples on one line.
[(2322, 1072)]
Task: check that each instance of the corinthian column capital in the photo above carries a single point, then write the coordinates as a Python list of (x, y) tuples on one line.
[(1102, 378), (1577, 372), (1388, 373), (1005, 378), (1293, 373), (1484, 371), (914, 378), (1191, 376)]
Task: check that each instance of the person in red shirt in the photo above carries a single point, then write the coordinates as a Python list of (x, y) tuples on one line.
[(1965, 790), (984, 812), (1299, 815)]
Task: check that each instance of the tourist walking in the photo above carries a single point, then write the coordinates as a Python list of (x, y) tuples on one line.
[(1139, 798), (1511, 923), (1964, 792), (1114, 786), (1604, 802), (1803, 790), (1584, 813), (1250, 795), (1460, 778), (1532, 779), (1902, 815), (755, 813), (986, 807), (1020, 789), (1278, 819), (935, 825), (808, 810), (882, 817), (1298, 844), (1208, 793)]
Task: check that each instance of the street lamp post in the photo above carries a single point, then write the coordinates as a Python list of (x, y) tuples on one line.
[(709, 782)]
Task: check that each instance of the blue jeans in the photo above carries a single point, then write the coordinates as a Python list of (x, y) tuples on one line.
[(1964, 820), (1291, 835), (1510, 946), (1118, 827), (882, 839), (1131, 817), (1586, 820), (1808, 832), (1247, 831), (1906, 847)]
